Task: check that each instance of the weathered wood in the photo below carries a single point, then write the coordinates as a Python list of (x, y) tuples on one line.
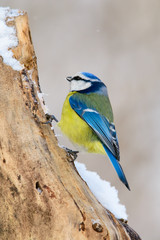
[(41, 194)]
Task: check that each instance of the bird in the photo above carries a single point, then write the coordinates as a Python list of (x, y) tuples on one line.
[(87, 119)]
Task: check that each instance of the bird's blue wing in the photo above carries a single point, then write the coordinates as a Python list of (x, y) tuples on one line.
[(99, 123), (104, 130)]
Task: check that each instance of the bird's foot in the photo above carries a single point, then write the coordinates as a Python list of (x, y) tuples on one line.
[(50, 118), (71, 154)]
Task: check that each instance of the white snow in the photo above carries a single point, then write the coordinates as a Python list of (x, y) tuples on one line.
[(61, 146), (8, 37), (102, 190), (41, 99)]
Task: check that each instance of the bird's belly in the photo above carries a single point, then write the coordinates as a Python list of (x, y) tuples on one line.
[(78, 130)]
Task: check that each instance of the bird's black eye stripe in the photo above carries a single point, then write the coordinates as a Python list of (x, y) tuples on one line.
[(77, 78)]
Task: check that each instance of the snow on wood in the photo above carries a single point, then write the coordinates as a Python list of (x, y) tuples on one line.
[(105, 194), (8, 37)]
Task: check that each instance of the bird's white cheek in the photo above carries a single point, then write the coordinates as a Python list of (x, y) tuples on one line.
[(79, 85)]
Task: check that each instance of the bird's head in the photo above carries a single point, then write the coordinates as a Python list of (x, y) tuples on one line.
[(82, 80)]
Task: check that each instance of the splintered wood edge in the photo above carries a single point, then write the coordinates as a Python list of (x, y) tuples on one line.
[(24, 52)]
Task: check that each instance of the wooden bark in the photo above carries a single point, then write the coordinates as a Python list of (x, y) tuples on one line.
[(41, 194)]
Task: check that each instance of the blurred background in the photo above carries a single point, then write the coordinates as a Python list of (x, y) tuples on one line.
[(119, 41)]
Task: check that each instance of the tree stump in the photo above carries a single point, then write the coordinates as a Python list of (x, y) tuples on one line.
[(41, 194)]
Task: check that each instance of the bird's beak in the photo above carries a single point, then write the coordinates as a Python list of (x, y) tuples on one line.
[(69, 79)]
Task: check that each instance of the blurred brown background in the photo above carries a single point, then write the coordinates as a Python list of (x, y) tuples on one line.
[(119, 41)]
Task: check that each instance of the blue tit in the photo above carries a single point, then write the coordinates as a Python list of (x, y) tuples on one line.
[(87, 119)]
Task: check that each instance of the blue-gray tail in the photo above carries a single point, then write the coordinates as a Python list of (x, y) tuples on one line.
[(117, 167)]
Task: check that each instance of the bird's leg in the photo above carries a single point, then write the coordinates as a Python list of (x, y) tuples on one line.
[(72, 154), (50, 118)]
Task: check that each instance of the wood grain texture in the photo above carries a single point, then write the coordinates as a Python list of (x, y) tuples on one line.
[(41, 194)]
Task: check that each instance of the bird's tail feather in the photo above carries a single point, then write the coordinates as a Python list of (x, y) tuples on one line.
[(117, 167)]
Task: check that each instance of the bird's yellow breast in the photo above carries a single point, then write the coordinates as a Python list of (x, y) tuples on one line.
[(77, 130)]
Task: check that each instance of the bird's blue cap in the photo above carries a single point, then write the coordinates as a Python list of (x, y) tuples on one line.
[(90, 75)]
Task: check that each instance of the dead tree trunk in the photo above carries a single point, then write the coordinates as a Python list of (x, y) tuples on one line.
[(41, 194)]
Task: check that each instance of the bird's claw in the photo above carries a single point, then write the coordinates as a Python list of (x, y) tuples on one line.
[(72, 154), (50, 118)]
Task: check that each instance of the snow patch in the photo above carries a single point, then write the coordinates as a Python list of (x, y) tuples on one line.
[(102, 190), (61, 146), (8, 37), (41, 99)]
